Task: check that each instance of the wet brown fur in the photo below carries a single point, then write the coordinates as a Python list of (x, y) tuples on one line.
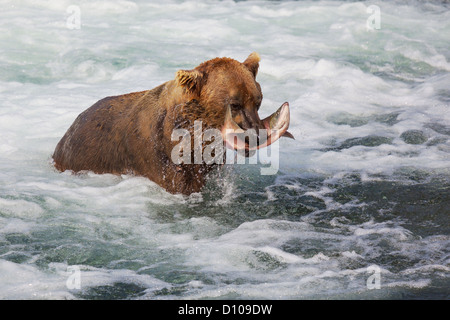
[(131, 133)]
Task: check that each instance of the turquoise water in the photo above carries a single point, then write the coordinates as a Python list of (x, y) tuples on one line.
[(366, 182)]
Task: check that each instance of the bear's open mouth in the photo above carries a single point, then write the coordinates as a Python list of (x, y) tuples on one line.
[(275, 125)]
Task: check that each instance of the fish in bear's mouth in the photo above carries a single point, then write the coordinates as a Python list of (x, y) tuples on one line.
[(274, 127)]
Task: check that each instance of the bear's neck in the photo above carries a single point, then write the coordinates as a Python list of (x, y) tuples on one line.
[(173, 95)]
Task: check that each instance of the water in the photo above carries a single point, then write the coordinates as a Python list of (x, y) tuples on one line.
[(365, 184)]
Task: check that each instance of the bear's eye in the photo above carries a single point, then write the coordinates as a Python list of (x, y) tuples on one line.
[(235, 106)]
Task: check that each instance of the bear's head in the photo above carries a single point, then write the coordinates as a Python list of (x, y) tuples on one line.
[(228, 97)]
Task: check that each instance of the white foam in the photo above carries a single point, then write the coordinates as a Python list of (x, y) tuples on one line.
[(21, 281), (411, 284), (20, 208), (15, 225)]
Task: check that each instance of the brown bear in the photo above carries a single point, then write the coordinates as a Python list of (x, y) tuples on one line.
[(132, 133)]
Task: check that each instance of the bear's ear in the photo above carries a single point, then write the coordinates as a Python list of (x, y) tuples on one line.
[(252, 63), (189, 79)]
